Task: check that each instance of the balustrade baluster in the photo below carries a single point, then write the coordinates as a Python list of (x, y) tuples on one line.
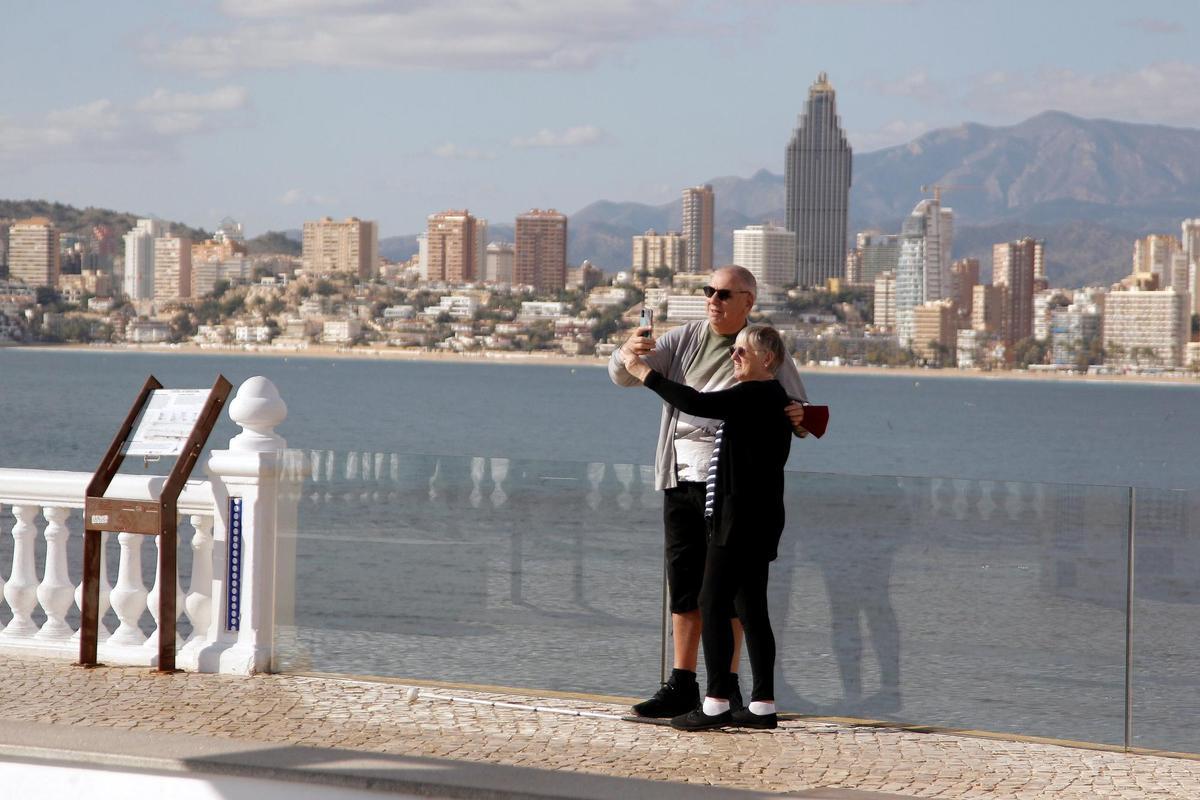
[(102, 631), (499, 475), (152, 599), (198, 603), (2, 581), (478, 469), (21, 589), (129, 596), (595, 475), (55, 591)]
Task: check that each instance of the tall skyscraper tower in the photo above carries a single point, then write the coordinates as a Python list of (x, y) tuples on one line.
[(1014, 268), (923, 268), (138, 281), (698, 205), (172, 269), (817, 175), (769, 252), (540, 251), (451, 242), (1190, 241), (351, 246), (33, 252)]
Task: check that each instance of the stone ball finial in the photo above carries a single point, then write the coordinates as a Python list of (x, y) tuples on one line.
[(257, 408)]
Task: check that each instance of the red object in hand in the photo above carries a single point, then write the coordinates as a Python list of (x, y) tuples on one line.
[(816, 419)]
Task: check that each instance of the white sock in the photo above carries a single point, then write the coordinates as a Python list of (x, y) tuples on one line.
[(760, 708), (713, 706)]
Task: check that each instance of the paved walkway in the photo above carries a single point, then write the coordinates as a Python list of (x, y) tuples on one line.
[(567, 734)]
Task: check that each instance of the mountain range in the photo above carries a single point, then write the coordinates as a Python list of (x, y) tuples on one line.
[(1089, 187)]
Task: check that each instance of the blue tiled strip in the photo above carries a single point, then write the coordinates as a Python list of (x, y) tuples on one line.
[(233, 619)]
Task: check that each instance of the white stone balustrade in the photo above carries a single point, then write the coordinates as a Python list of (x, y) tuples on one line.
[(41, 619)]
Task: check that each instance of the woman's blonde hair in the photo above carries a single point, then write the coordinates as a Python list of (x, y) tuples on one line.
[(764, 339)]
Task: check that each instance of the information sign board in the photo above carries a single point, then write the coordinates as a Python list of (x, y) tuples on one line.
[(166, 422)]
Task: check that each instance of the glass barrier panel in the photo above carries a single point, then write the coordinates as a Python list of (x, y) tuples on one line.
[(533, 574), (969, 604), (1166, 601)]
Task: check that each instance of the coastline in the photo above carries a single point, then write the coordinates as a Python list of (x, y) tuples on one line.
[(557, 359)]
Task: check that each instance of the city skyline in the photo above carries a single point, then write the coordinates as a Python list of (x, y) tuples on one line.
[(221, 98)]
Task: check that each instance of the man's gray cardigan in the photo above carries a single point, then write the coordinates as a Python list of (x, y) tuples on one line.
[(673, 353)]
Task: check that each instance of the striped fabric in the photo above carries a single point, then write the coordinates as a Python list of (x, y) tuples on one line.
[(710, 483)]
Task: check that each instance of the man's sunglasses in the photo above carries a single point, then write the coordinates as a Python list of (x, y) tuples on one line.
[(723, 294)]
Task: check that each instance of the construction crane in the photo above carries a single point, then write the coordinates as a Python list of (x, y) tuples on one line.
[(937, 188)]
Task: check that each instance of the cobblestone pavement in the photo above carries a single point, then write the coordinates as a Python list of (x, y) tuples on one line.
[(378, 717)]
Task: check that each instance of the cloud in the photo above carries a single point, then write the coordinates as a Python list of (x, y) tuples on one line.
[(1162, 93), (102, 130), (450, 150), (916, 84), (453, 34), (299, 197), (579, 136), (1155, 26), (898, 131)]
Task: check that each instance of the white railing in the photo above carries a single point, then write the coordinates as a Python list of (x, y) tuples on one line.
[(248, 477)]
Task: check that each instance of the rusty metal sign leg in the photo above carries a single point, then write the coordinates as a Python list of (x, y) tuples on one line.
[(89, 623)]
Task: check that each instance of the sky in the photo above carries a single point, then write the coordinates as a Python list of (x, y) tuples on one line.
[(279, 111)]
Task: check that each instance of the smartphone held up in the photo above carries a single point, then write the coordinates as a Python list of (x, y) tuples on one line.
[(646, 321)]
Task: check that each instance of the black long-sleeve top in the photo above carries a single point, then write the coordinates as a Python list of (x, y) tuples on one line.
[(748, 509)]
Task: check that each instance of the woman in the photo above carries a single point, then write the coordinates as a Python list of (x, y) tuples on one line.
[(745, 509)]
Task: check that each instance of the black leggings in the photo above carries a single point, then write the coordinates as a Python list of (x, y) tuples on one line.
[(736, 580)]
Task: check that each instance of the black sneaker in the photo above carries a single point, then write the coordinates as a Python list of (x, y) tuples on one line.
[(670, 701), (745, 718), (697, 720)]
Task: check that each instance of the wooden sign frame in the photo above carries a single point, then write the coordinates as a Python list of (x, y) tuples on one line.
[(145, 517)]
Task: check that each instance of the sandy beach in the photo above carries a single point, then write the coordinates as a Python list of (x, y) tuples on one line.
[(558, 359)]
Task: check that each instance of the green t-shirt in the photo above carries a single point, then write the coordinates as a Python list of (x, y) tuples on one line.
[(714, 354)]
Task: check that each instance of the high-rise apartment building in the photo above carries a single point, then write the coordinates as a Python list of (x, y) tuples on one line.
[(935, 331), (698, 207), (1013, 268), (480, 244), (817, 174), (1190, 242), (654, 251), (450, 242), (923, 268), (1152, 255), (1147, 328), (987, 308), (4, 226), (499, 263), (878, 253), (1073, 330), (221, 258), (769, 252), (351, 245), (172, 269), (885, 301), (540, 250), (964, 277), (33, 252), (139, 258)]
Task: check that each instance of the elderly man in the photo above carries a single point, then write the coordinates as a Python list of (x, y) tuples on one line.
[(696, 354)]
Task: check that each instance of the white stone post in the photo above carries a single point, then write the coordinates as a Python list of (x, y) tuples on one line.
[(248, 471), (128, 598), (21, 589), (198, 603), (56, 591)]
